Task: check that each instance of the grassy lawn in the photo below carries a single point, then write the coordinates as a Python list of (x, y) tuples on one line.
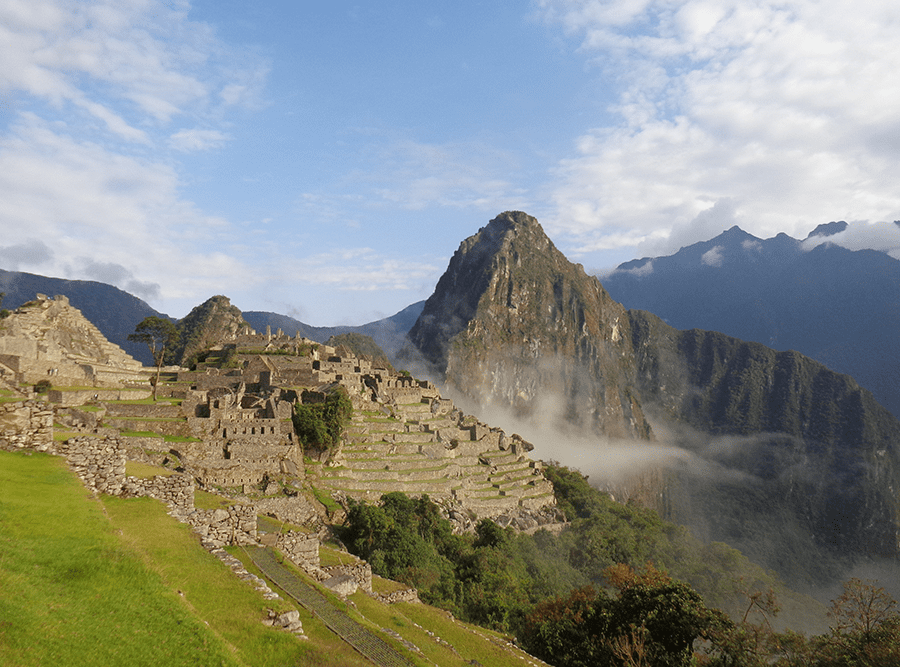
[(72, 592), (204, 500), (118, 582), (469, 645), (139, 434), (233, 610)]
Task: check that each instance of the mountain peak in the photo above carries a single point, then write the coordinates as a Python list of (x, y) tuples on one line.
[(828, 229), (513, 311)]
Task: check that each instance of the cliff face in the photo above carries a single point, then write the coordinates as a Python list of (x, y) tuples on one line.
[(807, 438), (513, 322), (802, 456)]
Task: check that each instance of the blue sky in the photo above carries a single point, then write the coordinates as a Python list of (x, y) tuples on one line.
[(324, 160)]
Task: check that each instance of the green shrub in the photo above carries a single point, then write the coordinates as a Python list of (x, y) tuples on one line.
[(42, 386), (320, 425)]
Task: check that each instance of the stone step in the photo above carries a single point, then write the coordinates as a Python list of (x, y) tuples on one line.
[(406, 476), (432, 487)]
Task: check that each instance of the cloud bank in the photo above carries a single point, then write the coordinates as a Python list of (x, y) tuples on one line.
[(786, 109)]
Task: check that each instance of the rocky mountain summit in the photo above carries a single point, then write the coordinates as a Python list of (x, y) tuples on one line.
[(513, 322), (784, 456)]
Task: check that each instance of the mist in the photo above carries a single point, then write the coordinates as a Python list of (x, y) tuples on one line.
[(741, 490)]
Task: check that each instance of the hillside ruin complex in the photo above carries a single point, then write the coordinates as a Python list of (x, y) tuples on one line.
[(228, 423)]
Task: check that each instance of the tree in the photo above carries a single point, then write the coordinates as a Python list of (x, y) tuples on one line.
[(159, 334), (861, 608), (654, 620)]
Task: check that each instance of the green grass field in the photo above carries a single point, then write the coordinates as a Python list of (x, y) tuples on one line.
[(112, 581), (117, 582)]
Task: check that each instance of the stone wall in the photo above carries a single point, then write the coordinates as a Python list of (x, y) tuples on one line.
[(406, 595), (26, 423), (301, 548), (99, 462), (360, 571), (235, 525), (80, 397), (176, 491)]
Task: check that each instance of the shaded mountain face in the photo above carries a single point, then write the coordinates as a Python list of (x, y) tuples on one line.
[(838, 306), (213, 321), (783, 455), (811, 450), (114, 312), (513, 322)]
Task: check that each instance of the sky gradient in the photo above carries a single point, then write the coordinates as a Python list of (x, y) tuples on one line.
[(324, 160)]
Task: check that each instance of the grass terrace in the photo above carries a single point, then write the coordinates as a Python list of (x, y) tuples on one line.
[(145, 470)]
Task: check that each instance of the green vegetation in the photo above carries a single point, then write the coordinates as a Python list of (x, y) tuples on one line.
[(42, 386), (326, 500), (180, 438), (320, 425), (593, 596), (491, 578), (145, 470), (494, 577), (652, 620), (204, 500), (62, 567)]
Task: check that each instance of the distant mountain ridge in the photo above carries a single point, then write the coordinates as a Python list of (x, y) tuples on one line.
[(804, 457), (389, 333), (838, 306), (116, 313)]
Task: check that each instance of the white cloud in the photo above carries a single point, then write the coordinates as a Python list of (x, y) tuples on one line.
[(416, 175), (883, 236), (641, 271), (88, 202), (106, 93), (127, 64), (361, 269), (750, 245), (788, 109), (713, 256), (29, 253), (197, 140)]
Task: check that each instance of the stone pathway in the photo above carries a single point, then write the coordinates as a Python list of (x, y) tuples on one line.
[(368, 644)]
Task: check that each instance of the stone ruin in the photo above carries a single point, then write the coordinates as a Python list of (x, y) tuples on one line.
[(229, 425), (48, 339)]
